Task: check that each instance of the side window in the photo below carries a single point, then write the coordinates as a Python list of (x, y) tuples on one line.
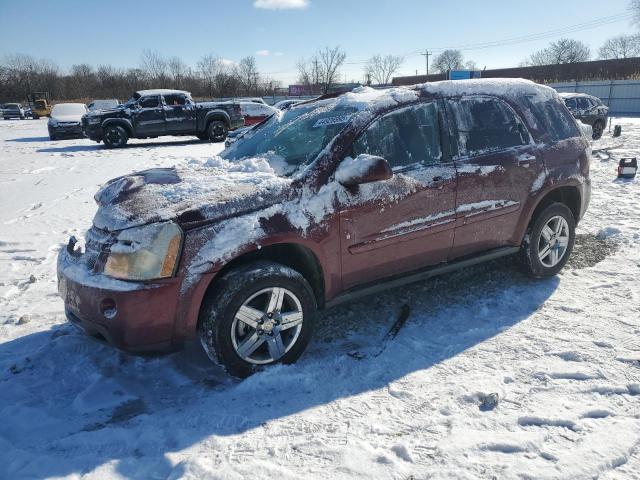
[(404, 137), (175, 100), (149, 102), (583, 103), (486, 124), (571, 103), (552, 119)]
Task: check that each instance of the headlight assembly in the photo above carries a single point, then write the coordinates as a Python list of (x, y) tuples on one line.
[(145, 253), (93, 120)]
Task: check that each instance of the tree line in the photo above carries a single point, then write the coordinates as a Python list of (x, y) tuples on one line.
[(211, 77), (216, 77)]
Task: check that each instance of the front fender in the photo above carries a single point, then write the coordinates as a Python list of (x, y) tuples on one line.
[(124, 122)]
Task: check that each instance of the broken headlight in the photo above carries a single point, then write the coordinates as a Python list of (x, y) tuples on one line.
[(145, 253)]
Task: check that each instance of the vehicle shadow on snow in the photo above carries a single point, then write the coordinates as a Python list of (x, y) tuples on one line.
[(87, 148), (169, 403), (28, 139)]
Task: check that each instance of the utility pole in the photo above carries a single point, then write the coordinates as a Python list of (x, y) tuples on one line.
[(426, 55)]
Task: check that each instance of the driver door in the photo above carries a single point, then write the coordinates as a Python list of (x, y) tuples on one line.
[(407, 222), (180, 114), (149, 117)]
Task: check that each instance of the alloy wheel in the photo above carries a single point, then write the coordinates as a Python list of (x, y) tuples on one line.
[(267, 325), (553, 241)]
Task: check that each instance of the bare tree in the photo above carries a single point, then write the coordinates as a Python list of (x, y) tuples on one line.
[(449, 60), (309, 74), (177, 71), (209, 68), (155, 67), (247, 72), (565, 50), (622, 46), (381, 69), (635, 8), (330, 60)]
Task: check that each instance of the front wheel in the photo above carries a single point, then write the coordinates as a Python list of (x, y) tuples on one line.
[(217, 131), (115, 136), (549, 241), (260, 314)]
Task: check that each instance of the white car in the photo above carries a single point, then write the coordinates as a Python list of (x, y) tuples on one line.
[(66, 120)]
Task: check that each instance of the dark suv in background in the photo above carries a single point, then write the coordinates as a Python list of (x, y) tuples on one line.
[(365, 190), (589, 110), (153, 113)]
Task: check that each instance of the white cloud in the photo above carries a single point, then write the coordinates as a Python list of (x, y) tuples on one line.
[(280, 4), (227, 63), (263, 53)]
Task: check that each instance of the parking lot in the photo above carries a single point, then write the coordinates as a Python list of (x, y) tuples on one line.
[(562, 354)]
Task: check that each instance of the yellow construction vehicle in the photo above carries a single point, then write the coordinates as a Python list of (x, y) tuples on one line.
[(40, 103)]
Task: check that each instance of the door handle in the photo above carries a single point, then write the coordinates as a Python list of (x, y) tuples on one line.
[(525, 159)]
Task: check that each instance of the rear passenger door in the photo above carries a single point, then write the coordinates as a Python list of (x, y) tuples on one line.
[(179, 113), (148, 118), (498, 166), (394, 226)]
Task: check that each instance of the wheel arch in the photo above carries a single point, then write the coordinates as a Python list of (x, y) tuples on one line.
[(121, 122), (217, 115), (293, 255), (569, 195)]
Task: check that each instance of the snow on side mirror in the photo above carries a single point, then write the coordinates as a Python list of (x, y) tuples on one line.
[(363, 169)]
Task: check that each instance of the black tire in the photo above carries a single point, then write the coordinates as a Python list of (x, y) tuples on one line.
[(216, 322), (52, 137), (217, 131), (598, 129), (203, 136), (36, 116), (533, 243), (115, 136)]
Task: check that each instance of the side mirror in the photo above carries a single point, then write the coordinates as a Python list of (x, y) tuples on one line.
[(363, 169)]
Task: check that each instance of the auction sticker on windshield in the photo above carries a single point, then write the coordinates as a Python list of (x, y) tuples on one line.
[(323, 122)]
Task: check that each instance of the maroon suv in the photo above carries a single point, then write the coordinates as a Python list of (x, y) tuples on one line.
[(334, 198)]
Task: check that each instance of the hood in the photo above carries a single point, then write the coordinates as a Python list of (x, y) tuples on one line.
[(67, 118), (193, 194)]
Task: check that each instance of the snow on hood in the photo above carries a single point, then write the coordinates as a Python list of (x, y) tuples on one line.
[(198, 191), (66, 118)]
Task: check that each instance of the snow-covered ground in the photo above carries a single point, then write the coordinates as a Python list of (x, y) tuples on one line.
[(562, 355)]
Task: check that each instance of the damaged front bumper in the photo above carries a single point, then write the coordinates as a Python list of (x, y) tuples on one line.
[(133, 316)]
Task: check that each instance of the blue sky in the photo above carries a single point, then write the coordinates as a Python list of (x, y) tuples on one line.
[(116, 31)]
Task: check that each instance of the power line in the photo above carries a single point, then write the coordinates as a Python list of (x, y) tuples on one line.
[(578, 27)]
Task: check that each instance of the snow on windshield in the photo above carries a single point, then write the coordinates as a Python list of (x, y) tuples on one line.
[(69, 109), (295, 137)]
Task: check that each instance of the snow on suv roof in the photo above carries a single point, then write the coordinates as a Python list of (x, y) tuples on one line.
[(161, 91), (575, 94), (505, 87)]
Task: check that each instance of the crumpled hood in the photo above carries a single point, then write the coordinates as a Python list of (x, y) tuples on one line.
[(194, 194)]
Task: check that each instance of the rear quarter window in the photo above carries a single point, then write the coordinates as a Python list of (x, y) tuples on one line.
[(486, 124), (553, 118)]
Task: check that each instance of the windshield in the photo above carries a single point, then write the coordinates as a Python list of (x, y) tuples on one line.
[(294, 138), (69, 109)]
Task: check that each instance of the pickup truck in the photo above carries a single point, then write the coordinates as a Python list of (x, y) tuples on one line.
[(153, 113)]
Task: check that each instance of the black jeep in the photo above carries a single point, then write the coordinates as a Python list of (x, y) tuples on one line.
[(152, 113)]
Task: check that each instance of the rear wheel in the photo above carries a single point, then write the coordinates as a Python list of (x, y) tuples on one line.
[(549, 241), (115, 136), (261, 314), (217, 131), (598, 129)]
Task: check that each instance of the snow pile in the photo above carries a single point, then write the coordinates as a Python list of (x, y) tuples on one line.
[(561, 354)]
